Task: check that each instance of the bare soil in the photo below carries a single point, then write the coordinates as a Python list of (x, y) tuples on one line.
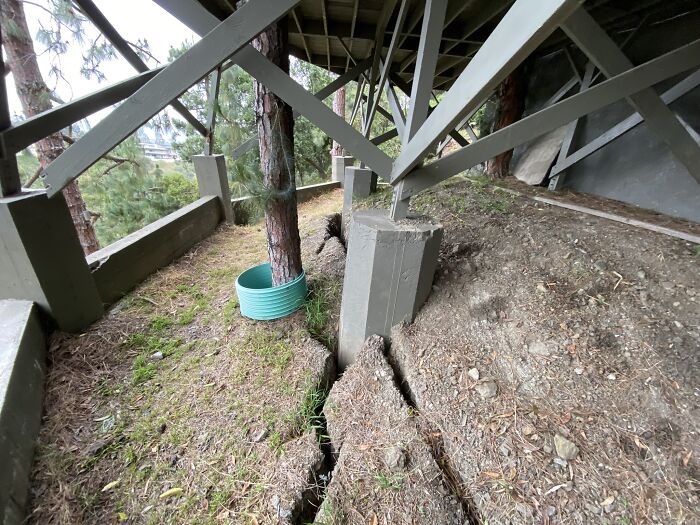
[(547, 328)]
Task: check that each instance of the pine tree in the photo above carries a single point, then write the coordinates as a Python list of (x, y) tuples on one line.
[(35, 97)]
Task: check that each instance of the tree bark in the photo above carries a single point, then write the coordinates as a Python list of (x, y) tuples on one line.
[(35, 97), (275, 124), (338, 109), (511, 104)]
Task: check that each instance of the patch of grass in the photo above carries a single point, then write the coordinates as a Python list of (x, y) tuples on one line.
[(318, 307), (308, 416), (275, 442), (143, 367), (160, 323), (697, 250), (389, 481), (274, 351), (143, 370), (229, 310)]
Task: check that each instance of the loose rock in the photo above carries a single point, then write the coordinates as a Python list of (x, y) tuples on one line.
[(487, 389), (565, 448)]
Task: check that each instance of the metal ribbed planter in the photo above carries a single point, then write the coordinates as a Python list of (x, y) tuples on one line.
[(261, 301)]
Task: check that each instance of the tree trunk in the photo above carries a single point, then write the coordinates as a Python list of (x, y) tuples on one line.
[(276, 133), (35, 97), (338, 109), (511, 104)]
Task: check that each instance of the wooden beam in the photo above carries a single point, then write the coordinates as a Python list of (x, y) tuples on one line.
[(520, 31), (29, 131), (684, 86), (222, 42), (605, 54), (122, 46), (622, 85)]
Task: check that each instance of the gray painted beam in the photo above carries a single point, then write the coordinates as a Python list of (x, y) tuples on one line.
[(396, 111), (605, 54), (384, 137), (212, 98), (684, 86), (222, 42), (10, 182), (122, 46), (28, 131), (630, 82), (520, 31), (314, 110), (571, 129), (386, 64), (428, 50)]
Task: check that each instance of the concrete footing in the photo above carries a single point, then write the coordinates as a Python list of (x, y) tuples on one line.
[(388, 276), (358, 185), (212, 179), (22, 367), (338, 165), (42, 260)]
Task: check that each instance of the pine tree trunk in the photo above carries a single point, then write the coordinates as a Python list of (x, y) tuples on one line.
[(511, 104), (339, 109), (276, 136), (35, 97)]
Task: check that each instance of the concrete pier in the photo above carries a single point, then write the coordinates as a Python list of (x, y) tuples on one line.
[(388, 276), (42, 260), (212, 179), (358, 185), (338, 165)]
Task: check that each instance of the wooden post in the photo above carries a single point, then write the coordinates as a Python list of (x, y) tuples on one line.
[(511, 104), (276, 138)]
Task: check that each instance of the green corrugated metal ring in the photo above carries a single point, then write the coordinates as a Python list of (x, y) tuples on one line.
[(261, 301)]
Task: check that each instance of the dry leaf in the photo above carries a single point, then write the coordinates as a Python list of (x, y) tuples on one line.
[(176, 491), (492, 475), (110, 485), (373, 519), (607, 501)]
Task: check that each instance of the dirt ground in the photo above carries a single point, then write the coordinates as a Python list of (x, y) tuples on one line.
[(175, 409), (553, 375), (557, 361)]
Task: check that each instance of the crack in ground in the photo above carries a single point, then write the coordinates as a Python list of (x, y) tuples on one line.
[(433, 437)]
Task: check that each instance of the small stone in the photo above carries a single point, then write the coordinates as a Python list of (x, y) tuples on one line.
[(678, 324), (541, 288), (260, 435), (578, 371), (560, 462), (487, 389), (565, 448), (612, 377), (641, 275), (395, 458), (528, 430), (551, 511), (473, 373), (600, 265), (156, 356)]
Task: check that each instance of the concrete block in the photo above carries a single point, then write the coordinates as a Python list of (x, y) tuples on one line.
[(388, 276), (42, 260), (338, 165), (212, 179), (120, 266), (22, 368), (357, 185)]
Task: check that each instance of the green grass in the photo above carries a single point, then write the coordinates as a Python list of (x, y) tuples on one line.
[(143, 368), (308, 416), (274, 351), (318, 307), (389, 481)]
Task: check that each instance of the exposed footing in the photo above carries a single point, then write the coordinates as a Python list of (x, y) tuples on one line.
[(388, 276), (338, 165)]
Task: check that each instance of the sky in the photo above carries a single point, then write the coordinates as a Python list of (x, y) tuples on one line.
[(133, 19)]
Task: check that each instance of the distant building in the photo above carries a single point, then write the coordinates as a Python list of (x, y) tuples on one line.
[(157, 151)]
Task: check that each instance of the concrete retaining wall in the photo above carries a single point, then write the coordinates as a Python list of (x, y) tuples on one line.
[(22, 367), (120, 266), (636, 168), (304, 193)]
